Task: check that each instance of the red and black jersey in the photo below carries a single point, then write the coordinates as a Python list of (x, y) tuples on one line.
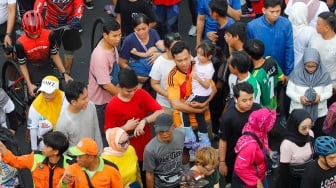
[(60, 12), (36, 51)]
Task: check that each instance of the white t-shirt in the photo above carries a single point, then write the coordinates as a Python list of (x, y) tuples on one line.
[(204, 72), (3, 9), (160, 71), (327, 50)]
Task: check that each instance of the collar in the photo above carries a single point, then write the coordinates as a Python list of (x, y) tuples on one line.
[(100, 167), (58, 164)]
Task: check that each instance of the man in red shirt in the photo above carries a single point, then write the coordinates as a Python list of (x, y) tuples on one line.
[(34, 49), (133, 109)]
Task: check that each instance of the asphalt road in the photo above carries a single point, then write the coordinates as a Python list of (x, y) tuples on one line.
[(80, 67)]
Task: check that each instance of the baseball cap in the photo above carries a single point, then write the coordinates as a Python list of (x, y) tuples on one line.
[(49, 84), (163, 122), (85, 146)]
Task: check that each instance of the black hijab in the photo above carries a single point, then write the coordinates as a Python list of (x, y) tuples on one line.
[(293, 122)]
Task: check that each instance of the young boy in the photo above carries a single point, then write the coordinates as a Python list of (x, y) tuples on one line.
[(48, 166), (265, 70)]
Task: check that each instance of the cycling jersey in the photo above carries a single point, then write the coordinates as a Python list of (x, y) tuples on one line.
[(36, 51), (60, 12)]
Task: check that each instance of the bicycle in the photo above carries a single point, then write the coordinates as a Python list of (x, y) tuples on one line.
[(15, 86)]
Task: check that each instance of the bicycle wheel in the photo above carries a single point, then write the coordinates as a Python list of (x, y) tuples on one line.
[(96, 36), (16, 88)]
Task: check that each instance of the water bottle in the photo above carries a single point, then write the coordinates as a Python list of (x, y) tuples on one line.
[(275, 161)]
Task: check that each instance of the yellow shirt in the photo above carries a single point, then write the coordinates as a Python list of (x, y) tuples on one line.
[(127, 164)]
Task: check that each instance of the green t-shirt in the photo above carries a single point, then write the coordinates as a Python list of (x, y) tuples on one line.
[(268, 77)]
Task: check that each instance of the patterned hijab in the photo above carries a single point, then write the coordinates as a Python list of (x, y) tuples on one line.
[(293, 122), (260, 122), (301, 77), (113, 136), (330, 121)]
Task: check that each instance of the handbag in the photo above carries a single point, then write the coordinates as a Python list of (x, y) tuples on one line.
[(297, 169)]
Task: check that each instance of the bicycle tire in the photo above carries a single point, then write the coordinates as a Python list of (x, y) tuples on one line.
[(98, 21), (17, 91)]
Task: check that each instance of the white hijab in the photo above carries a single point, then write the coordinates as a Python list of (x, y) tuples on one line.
[(298, 18)]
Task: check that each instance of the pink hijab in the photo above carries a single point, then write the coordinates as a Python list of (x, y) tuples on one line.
[(113, 136), (260, 122), (330, 121)]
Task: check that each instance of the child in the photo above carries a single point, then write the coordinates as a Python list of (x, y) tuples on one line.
[(266, 71), (201, 74)]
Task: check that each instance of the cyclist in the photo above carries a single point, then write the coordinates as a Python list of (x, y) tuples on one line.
[(321, 172), (62, 13), (34, 49)]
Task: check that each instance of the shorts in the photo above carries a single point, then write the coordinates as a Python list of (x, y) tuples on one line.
[(70, 39), (37, 73)]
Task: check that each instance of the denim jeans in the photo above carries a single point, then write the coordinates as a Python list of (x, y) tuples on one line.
[(167, 18)]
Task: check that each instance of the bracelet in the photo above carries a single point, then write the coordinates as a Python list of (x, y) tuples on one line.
[(9, 34)]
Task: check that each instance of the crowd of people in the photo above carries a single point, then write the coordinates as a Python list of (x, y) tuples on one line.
[(151, 113)]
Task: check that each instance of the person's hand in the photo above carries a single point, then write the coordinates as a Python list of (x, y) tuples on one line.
[(195, 76), (67, 177), (212, 35), (139, 130), (131, 124), (284, 80), (32, 89), (304, 101), (67, 78), (223, 169), (260, 184), (3, 149), (153, 56), (75, 23), (317, 98), (142, 79), (7, 41)]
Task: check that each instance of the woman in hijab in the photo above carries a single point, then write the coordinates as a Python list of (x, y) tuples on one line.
[(329, 124), (309, 87), (296, 146), (315, 7), (250, 165), (121, 153)]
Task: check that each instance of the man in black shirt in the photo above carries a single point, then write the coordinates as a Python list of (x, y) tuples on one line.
[(231, 126)]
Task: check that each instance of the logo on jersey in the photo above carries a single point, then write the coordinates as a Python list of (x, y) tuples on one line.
[(62, 4)]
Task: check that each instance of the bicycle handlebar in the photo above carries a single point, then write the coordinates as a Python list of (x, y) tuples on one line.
[(9, 49)]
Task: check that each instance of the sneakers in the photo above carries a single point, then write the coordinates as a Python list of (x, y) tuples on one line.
[(192, 31), (89, 5), (247, 12)]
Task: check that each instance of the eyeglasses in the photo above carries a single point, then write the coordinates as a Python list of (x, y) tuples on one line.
[(124, 143)]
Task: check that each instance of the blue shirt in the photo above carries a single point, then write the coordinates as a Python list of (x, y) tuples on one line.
[(277, 38), (210, 24)]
